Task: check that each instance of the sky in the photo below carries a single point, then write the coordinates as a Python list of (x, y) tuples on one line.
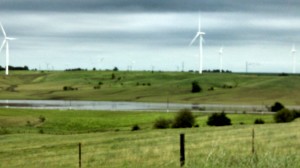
[(152, 35)]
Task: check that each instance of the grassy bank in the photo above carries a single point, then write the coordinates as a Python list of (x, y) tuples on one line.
[(277, 145), (80, 121), (151, 87)]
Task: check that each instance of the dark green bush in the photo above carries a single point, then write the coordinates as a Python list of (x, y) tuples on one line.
[(42, 118), (184, 119), (135, 127), (196, 87), (259, 121), (3, 131), (277, 107), (218, 119), (284, 115), (162, 123)]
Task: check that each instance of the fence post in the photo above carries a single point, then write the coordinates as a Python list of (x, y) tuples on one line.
[(79, 154), (253, 136), (182, 157)]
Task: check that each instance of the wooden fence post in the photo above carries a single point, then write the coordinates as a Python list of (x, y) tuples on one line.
[(182, 157), (79, 154), (253, 136)]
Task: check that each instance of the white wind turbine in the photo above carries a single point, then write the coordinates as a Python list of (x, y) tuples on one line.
[(200, 35), (221, 58), (293, 51), (5, 42)]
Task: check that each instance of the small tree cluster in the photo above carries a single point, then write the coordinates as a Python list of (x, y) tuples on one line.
[(162, 123), (285, 115), (196, 88), (259, 121), (218, 119), (277, 107), (68, 88), (183, 119), (135, 127)]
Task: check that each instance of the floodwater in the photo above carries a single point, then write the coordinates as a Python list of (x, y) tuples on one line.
[(126, 106)]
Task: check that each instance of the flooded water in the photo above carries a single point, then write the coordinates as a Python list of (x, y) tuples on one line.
[(125, 106)]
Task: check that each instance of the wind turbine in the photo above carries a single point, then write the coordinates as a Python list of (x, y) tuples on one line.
[(293, 51), (221, 58), (5, 42), (200, 35)]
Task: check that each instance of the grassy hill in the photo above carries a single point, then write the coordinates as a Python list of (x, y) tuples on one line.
[(152, 87), (112, 144)]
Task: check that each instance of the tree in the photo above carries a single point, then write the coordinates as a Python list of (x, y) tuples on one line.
[(184, 119), (115, 69), (218, 119), (284, 115), (196, 87), (277, 107)]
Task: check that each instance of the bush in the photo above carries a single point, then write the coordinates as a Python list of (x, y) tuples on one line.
[(284, 115), (3, 131), (196, 87), (218, 119), (277, 107), (259, 121), (135, 127), (113, 76), (162, 123), (42, 118), (184, 119)]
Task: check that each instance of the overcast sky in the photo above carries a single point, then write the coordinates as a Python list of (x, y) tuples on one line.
[(148, 34)]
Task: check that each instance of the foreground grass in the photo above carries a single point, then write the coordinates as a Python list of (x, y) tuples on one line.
[(277, 145), (260, 89)]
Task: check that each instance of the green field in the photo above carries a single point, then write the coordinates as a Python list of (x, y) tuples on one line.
[(260, 89), (107, 140)]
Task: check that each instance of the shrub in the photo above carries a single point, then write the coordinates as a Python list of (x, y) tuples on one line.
[(41, 131), (67, 88), (184, 119), (218, 119), (277, 107), (162, 123), (100, 83), (3, 131), (259, 121), (284, 115), (196, 87), (113, 76), (42, 118), (135, 127)]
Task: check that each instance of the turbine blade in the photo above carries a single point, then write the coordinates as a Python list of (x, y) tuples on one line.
[(3, 43), (10, 38), (199, 23), (194, 39), (3, 30)]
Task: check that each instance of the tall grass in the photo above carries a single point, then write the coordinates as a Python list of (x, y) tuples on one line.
[(277, 145)]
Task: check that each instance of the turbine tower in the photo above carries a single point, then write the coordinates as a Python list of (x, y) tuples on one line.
[(221, 58), (293, 51), (5, 42), (200, 35)]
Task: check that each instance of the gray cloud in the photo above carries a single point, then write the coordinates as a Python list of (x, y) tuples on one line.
[(264, 6), (123, 30)]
